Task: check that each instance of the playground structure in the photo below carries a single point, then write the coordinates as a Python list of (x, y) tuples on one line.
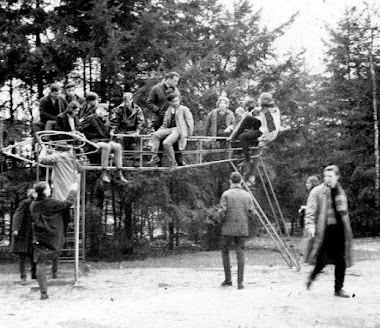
[(202, 152)]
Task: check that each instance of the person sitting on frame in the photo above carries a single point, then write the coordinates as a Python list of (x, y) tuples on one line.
[(96, 129), (177, 126)]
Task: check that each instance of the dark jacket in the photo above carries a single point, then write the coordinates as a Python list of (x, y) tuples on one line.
[(49, 108), (86, 111), (48, 217), (157, 101), (249, 122), (95, 129), (62, 123), (127, 119), (22, 221)]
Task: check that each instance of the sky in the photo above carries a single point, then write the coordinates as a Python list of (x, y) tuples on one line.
[(308, 30)]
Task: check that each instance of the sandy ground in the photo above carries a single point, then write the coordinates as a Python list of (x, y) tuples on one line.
[(183, 291)]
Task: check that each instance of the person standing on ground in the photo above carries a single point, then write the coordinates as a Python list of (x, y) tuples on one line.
[(65, 172), (311, 182), (22, 231), (48, 224), (236, 209), (328, 222)]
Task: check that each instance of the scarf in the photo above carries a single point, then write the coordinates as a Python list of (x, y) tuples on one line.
[(338, 205)]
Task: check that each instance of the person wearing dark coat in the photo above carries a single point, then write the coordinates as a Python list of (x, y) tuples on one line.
[(96, 128), (89, 107), (48, 227), (22, 231), (52, 105), (158, 104), (68, 121)]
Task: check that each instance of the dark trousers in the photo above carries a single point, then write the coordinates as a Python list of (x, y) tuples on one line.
[(249, 139), (240, 246), (332, 251), (22, 262)]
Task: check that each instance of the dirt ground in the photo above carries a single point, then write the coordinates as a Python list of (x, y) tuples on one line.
[(183, 291)]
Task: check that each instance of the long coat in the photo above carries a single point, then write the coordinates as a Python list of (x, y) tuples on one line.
[(317, 208), (184, 123), (48, 218), (236, 209), (212, 122), (22, 221)]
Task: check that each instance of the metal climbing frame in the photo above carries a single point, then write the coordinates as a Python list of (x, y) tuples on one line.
[(203, 151)]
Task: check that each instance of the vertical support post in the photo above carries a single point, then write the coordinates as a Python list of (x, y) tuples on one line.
[(76, 235), (141, 146), (83, 202), (200, 151)]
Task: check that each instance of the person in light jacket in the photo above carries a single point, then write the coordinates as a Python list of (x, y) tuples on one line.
[(327, 221), (177, 126)]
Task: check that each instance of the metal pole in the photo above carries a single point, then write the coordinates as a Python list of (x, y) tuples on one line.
[(76, 233), (84, 216)]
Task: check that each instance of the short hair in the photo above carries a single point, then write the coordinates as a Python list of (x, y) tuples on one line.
[(127, 95), (313, 180), (170, 75), (70, 85), (332, 168), (249, 104), (54, 87), (91, 96), (40, 187), (223, 98), (73, 104), (235, 177), (172, 96)]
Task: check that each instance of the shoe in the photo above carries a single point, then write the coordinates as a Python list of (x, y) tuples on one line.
[(44, 296), (105, 178), (33, 276), (240, 286), (23, 281), (54, 275), (153, 161), (341, 293), (121, 177), (226, 283), (308, 284)]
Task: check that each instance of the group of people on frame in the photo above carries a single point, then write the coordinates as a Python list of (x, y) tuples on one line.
[(41, 219)]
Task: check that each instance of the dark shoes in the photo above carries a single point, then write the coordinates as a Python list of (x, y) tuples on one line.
[(308, 283), (341, 293), (104, 177), (44, 296), (240, 286), (54, 275), (226, 283)]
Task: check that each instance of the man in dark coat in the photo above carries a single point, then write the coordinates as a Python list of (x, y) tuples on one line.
[(68, 121), (89, 107), (96, 128), (158, 104), (23, 235), (236, 209), (52, 105), (48, 224)]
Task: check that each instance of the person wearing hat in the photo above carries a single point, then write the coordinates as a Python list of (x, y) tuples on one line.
[(70, 94), (89, 106), (269, 117), (221, 120), (236, 208)]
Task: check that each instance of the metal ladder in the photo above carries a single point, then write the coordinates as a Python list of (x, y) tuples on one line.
[(286, 251)]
